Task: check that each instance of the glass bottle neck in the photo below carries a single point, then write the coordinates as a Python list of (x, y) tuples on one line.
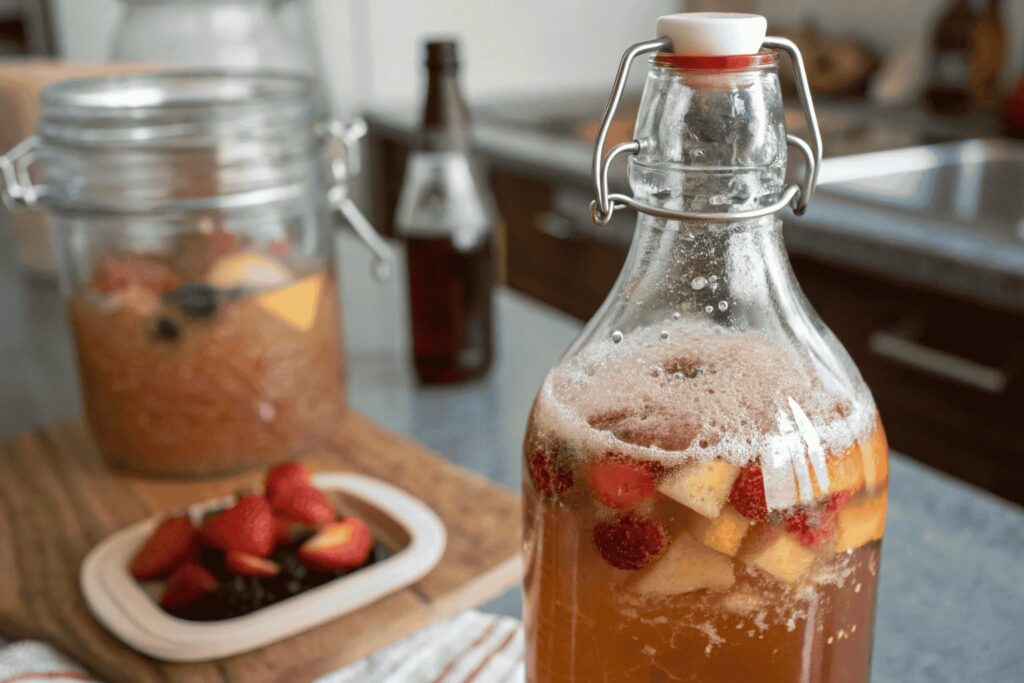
[(711, 140), (733, 276), (729, 273), (446, 121)]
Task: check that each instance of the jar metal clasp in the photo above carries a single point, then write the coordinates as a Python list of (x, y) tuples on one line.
[(348, 135), (794, 195), (18, 190)]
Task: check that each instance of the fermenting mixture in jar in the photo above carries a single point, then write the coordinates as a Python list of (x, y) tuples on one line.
[(218, 359)]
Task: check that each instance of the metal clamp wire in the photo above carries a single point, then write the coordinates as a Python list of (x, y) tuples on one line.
[(796, 196), (18, 188)]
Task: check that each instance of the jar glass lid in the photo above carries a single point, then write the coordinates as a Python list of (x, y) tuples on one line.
[(190, 108)]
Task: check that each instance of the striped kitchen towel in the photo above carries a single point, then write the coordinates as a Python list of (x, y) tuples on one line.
[(471, 647), (33, 661)]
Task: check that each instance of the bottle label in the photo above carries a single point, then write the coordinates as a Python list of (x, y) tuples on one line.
[(951, 70), (442, 197)]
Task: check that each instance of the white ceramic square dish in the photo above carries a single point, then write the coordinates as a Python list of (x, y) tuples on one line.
[(125, 608)]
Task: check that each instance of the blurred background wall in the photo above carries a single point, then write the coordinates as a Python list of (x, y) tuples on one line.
[(371, 48)]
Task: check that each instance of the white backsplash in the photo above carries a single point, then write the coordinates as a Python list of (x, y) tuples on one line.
[(371, 48)]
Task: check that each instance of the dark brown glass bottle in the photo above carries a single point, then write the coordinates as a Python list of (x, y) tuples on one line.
[(949, 88), (988, 56), (446, 218)]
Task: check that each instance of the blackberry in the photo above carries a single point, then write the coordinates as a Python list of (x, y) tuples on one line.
[(196, 300), (213, 560), (239, 595), (242, 595)]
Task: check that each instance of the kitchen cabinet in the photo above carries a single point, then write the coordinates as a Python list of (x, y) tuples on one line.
[(947, 374)]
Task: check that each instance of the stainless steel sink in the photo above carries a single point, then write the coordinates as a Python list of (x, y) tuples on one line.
[(948, 217), (975, 186)]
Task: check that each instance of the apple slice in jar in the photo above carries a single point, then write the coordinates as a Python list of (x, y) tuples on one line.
[(248, 269), (845, 472), (780, 555), (703, 486), (686, 565), (876, 462), (860, 522), (724, 533)]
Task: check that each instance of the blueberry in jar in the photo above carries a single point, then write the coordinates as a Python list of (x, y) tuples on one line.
[(196, 300)]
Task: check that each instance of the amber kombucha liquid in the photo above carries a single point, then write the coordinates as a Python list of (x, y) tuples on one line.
[(671, 534)]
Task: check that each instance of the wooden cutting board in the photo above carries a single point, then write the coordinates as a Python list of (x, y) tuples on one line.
[(58, 499)]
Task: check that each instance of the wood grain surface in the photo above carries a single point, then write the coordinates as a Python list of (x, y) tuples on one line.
[(58, 499)]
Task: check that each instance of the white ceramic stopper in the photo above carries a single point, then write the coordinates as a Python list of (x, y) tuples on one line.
[(713, 34)]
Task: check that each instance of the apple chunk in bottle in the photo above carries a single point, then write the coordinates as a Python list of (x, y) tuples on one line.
[(704, 470)]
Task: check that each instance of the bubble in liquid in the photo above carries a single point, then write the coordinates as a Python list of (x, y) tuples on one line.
[(699, 282), (708, 309), (677, 315), (664, 334), (723, 305), (616, 337), (265, 410)]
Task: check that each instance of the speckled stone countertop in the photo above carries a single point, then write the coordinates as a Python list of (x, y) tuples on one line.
[(952, 583)]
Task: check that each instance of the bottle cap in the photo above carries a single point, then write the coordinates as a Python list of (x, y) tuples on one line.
[(442, 54), (713, 34)]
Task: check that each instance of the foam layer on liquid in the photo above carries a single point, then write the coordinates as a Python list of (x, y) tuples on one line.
[(686, 392)]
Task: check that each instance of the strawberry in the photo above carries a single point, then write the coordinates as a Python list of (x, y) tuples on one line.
[(338, 546), (629, 542), (284, 476), (747, 494), (304, 504), (812, 526), (121, 272), (174, 542), (187, 584), (248, 527), (250, 565), (550, 477), (620, 483)]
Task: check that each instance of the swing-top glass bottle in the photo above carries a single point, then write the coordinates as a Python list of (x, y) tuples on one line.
[(704, 470)]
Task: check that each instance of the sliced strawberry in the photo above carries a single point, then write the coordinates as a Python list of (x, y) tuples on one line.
[(304, 504), (747, 494), (621, 483), (250, 565), (190, 582), (812, 526), (121, 272), (172, 544), (338, 546), (285, 476), (550, 476), (629, 542), (248, 527)]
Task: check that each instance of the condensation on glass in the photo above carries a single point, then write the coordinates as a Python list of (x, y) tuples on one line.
[(704, 469)]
